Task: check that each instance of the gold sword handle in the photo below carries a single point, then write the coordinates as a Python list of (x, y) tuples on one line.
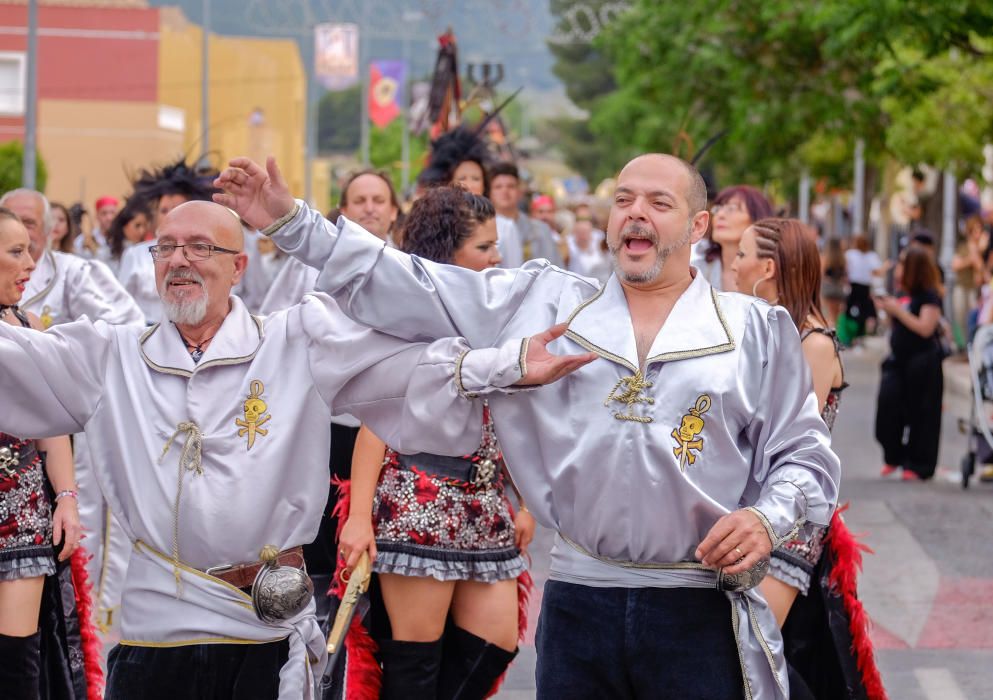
[(358, 583)]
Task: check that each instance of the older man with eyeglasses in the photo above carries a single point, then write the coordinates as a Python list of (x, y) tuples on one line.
[(209, 437)]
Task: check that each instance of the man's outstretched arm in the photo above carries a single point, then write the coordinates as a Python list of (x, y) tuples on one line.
[(52, 381), (401, 295)]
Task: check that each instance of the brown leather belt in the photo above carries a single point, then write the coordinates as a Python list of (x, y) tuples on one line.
[(243, 575)]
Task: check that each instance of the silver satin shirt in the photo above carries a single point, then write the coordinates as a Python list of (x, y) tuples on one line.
[(628, 467)]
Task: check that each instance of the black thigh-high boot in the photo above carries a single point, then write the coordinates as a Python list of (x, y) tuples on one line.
[(20, 667), (410, 669), (470, 665)]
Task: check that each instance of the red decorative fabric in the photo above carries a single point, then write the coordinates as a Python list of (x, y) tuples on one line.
[(846, 551)]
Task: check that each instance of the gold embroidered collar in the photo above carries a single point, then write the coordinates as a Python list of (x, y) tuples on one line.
[(695, 327), (238, 340)]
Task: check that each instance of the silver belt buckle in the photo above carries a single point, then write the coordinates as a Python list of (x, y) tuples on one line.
[(280, 592), (743, 581)]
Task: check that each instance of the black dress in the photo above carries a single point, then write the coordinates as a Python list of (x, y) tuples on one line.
[(908, 409)]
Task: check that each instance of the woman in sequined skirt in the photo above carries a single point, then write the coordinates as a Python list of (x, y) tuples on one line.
[(445, 542), (28, 526), (811, 585)]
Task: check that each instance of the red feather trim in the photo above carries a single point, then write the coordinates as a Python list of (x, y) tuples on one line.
[(363, 675), (92, 646), (846, 552)]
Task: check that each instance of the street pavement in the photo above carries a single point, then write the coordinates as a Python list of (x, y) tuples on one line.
[(928, 587)]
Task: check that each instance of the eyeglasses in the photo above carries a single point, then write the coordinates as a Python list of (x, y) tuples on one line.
[(730, 208), (193, 252)]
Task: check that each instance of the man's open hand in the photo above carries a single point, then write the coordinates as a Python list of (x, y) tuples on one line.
[(736, 543), (258, 196), (542, 366)]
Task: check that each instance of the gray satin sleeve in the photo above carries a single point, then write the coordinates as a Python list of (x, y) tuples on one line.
[(797, 472), (57, 377), (405, 392), (409, 297), (95, 292)]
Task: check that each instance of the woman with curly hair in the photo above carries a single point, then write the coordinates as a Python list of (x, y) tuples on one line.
[(445, 543)]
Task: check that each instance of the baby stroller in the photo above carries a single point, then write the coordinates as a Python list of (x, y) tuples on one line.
[(979, 428)]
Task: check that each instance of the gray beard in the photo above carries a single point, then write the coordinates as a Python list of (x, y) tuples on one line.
[(655, 271), (186, 313)]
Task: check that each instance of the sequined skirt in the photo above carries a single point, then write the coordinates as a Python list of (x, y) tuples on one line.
[(442, 527), (25, 512), (794, 562)]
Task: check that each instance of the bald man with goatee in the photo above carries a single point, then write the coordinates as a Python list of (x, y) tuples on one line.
[(209, 437), (670, 467)]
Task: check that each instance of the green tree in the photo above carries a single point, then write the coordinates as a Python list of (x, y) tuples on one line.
[(586, 72), (11, 165), (339, 118), (792, 85), (386, 151)]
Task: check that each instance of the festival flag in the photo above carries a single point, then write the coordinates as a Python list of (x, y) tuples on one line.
[(386, 80), (336, 55)]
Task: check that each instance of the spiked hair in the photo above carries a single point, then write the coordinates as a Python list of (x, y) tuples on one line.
[(175, 178)]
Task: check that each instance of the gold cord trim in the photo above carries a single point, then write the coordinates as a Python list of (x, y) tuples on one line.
[(631, 394), (190, 459), (522, 362), (104, 625), (773, 537), (764, 644), (282, 221), (198, 640), (145, 547), (736, 626), (459, 387)]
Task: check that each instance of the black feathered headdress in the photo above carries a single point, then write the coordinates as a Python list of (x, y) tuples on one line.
[(175, 178), (449, 150)]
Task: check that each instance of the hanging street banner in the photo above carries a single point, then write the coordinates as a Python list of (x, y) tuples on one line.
[(336, 55), (386, 81)]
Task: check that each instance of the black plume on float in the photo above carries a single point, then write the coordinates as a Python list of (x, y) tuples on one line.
[(451, 148), (177, 177), (459, 145), (707, 172), (706, 147)]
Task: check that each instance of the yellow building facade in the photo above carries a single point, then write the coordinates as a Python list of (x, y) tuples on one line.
[(257, 93)]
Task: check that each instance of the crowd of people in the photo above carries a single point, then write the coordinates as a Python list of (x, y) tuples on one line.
[(234, 389)]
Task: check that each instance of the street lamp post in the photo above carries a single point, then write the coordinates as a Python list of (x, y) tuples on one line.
[(205, 80), (28, 164), (409, 18)]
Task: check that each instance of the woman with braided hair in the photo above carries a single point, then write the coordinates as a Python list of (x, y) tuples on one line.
[(811, 586)]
